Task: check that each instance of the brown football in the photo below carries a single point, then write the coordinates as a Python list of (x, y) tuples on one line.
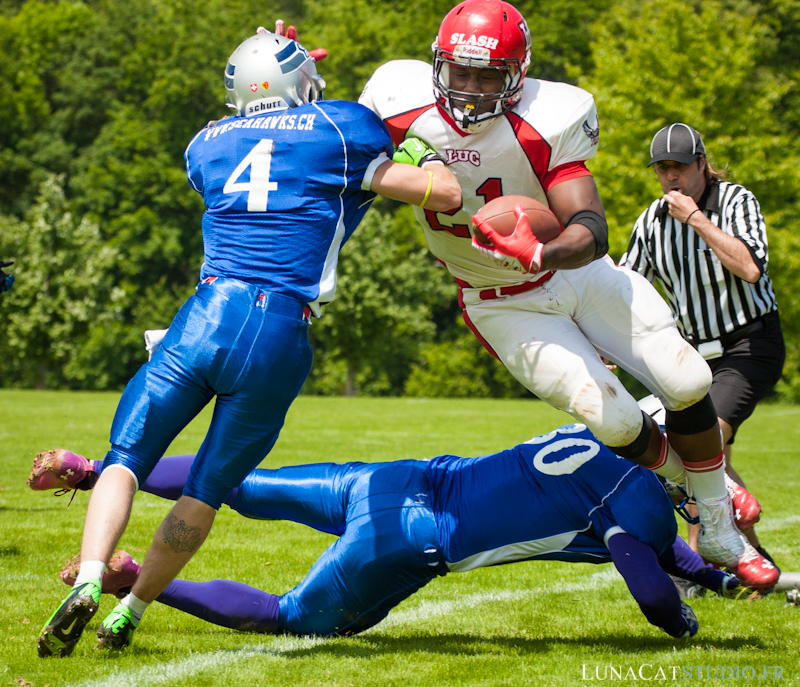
[(500, 215)]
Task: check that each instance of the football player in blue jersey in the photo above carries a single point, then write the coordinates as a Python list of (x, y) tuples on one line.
[(562, 496), (285, 182)]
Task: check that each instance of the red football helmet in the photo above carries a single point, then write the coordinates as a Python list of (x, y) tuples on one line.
[(487, 34)]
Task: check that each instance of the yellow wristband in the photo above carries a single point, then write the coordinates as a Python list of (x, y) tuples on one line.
[(428, 192)]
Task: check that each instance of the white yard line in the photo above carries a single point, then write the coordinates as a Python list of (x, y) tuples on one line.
[(768, 524), (280, 646)]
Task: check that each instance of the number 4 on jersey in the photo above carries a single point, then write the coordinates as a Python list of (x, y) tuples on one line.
[(259, 160)]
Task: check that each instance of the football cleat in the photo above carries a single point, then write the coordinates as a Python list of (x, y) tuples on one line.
[(688, 589), (753, 570), (710, 581), (692, 626), (729, 586), (720, 542), (62, 470), (118, 579), (116, 631), (62, 631), (766, 555), (746, 508)]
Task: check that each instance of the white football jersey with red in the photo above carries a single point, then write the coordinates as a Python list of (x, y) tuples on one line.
[(544, 140)]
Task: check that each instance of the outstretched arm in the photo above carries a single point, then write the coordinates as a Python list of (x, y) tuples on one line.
[(409, 184)]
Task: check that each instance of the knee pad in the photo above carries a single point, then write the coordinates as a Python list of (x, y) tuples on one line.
[(697, 418), (609, 411), (637, 448)]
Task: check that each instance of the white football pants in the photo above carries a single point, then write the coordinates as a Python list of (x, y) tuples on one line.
[(549, 339)]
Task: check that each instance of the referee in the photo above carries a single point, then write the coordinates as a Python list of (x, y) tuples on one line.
[(705, 242)]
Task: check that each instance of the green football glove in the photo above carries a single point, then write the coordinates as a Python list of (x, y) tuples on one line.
[(415, 152)]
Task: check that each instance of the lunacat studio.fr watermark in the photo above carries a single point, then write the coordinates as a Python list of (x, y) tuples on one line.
[(648, 671)]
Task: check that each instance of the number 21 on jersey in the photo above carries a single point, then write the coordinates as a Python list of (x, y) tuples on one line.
[(258, 160)]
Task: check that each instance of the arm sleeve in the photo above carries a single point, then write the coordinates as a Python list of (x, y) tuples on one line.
[(649, 585), (368, 145), (746, 223)]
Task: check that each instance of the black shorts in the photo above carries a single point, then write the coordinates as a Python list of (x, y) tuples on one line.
[(747, 371)]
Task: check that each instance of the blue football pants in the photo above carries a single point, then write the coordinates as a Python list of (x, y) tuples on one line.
[(388, 545), (233, 340)]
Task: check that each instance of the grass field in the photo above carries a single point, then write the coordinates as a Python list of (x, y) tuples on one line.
[(526, 624)]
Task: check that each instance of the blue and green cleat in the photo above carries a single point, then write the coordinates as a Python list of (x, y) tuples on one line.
[(116, 631), (62, 631)]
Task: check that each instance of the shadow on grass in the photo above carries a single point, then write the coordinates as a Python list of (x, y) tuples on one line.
[(470, 645)]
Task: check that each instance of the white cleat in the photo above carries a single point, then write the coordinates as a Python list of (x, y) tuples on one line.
[(720, 542)]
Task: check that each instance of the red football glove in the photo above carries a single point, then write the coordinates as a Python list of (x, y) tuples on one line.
[(520, 251), (280, 29)]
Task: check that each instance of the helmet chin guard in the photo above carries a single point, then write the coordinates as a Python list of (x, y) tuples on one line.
[(484, 34), (269, 72)]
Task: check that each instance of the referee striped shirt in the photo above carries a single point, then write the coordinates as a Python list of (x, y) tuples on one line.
[(707, 300)]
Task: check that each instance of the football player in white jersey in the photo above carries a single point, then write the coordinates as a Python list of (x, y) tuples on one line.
[(546, 311)]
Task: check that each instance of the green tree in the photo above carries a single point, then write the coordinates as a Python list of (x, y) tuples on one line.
[(63, 291), (388, 288), (459, 367), (703, 64)]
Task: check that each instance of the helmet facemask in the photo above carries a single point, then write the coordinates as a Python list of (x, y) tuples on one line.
[(474, 112), (481, 34)]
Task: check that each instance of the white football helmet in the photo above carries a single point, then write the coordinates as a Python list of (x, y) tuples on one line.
[(653, 406), (269, 72)]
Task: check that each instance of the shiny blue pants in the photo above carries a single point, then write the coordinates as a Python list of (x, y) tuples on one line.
[(233, 340), (388, 546)]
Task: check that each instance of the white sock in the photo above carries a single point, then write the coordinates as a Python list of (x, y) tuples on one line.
[(137, 606), (669, 463), (90, 570), (708, 478)]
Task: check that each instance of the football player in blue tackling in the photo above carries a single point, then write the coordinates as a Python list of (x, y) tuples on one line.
[(562, 496), (285, 182)]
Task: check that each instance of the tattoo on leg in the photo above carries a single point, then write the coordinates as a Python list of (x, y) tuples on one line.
[(179, 537)]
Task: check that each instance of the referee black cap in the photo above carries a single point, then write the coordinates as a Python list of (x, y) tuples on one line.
[(677, 142)]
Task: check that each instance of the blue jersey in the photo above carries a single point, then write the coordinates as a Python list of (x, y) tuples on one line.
[(283, 193), (554, 497)]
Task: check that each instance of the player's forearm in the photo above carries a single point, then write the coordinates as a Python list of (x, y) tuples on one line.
[(439, 190), (575, 247), (732, 253)]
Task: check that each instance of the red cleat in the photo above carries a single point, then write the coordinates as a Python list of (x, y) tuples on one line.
[(59, 469), (754, 570), (746, 508), (118, 579)]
